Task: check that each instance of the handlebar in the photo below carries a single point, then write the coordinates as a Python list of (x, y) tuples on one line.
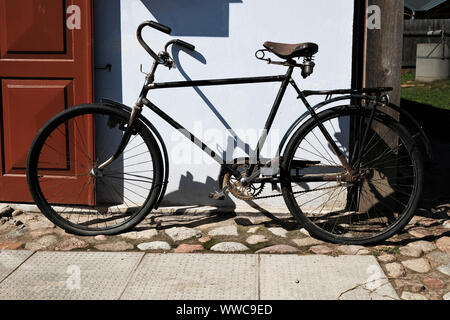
[(144, 44), (164, 29), (181, 43), (160, 27)]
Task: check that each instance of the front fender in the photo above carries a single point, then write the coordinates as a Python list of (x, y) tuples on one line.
[(406, 119), (151, 127)]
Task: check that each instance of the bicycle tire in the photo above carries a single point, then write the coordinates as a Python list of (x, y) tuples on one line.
[(107, 205), (404, 161)]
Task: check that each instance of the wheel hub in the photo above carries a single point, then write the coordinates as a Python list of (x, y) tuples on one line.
[(96, 173)]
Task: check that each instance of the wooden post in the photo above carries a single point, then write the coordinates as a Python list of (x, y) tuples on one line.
[(384, 48), (382, 68)]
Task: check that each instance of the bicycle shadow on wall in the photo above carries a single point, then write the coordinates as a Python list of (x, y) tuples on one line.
[(198, 18), (189, 191), (234, 141)]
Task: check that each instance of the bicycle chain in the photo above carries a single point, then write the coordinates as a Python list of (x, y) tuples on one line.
[(298, 192), (301, 192)]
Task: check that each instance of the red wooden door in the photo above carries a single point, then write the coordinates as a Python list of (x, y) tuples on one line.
[(45, 67)]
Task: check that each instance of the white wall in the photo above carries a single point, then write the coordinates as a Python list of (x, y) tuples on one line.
[(227, 34)]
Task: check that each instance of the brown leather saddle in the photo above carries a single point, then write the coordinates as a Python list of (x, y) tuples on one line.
[(290, 51)]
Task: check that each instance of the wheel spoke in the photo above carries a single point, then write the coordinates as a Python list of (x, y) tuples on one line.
[(371, 205)]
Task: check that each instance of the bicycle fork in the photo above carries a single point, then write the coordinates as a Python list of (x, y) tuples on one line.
[(137, 110)]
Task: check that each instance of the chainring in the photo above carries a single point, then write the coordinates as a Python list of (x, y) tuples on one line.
[(246, 193)]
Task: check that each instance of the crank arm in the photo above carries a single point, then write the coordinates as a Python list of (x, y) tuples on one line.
[(219, 195), (250, 179)]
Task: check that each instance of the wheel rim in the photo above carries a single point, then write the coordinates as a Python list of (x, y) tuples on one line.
[(371, 206), (79, 195)]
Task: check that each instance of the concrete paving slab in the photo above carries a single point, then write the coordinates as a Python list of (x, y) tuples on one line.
[(319, 277), (131, 275), (195, 277), (71, 275), (11, 260)]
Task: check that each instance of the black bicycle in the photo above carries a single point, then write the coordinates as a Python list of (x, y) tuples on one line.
[(349, 174)]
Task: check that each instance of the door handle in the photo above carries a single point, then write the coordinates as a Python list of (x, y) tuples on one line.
[(107, 67)]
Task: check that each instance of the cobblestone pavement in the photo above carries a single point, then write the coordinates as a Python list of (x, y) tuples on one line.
[(417, 261)]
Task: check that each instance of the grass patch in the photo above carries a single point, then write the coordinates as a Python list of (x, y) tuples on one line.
[(386, 250), (211, 243), (436, 94)]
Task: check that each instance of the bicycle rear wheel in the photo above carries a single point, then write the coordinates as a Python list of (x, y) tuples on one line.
[(69, 189), (375, 206)]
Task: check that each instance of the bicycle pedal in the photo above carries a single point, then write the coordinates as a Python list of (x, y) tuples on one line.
[(275, 187), (217, 195)]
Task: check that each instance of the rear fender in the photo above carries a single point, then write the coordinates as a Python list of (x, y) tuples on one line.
[(406, 119)]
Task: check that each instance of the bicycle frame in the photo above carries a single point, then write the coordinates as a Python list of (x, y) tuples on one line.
[(284, 79), (255, 157)]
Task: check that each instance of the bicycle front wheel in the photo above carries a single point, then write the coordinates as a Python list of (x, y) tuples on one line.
[(388, 169), (65, 182)]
